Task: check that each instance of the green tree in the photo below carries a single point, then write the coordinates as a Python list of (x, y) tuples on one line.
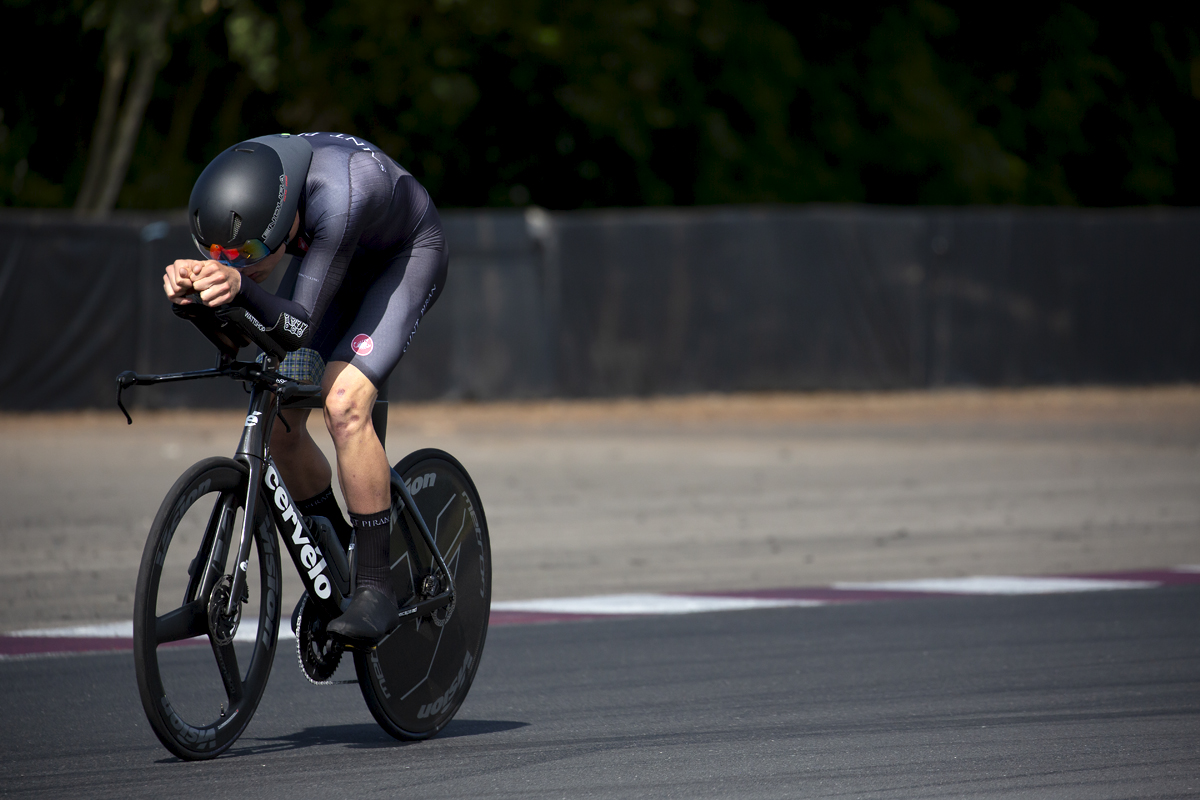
[(617, 102)]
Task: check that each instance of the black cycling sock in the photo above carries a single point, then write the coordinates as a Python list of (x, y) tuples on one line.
[(326, 505), (374, 533)]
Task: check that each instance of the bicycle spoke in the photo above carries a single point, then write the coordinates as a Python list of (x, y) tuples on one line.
[(231, 676), (182, 623)]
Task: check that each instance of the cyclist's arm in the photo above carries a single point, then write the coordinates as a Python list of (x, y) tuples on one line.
[(266, 306)]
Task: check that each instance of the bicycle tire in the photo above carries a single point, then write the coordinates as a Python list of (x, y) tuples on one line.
[(416, 678), (197, 717)]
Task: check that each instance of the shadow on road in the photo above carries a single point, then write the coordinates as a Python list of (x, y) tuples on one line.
[(478, 727), (360, 736)]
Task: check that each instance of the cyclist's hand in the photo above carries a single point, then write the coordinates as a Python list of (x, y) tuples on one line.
[(177, 282), (216, 283)]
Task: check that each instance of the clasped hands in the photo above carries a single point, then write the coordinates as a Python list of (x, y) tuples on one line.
[(216, 283)]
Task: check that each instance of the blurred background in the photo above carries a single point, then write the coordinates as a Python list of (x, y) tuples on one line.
[(605, 103), (642, 196), (743, 238)]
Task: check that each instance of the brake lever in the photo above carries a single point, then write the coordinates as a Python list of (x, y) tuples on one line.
[(126, 378)]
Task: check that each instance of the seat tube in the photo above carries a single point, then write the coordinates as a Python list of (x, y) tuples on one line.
[(379, 414)]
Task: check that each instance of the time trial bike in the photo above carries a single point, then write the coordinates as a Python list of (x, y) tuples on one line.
[(211, 571)]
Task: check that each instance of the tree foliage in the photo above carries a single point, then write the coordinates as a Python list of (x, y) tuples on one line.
[(574, 104)]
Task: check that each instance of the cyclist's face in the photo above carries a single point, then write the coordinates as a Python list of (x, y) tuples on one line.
[(259, 272)]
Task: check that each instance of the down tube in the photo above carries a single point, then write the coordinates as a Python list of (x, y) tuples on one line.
[(297, 538)]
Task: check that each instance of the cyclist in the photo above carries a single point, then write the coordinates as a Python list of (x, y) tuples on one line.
[(369, 259)]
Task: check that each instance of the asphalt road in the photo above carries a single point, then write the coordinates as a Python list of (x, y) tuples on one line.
[(1091, 695)]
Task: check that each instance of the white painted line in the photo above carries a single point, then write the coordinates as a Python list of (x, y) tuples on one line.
[(649, 604), (247, 632), (106, 630), (616, 604), (998, 585)]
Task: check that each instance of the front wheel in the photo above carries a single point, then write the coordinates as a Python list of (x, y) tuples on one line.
[(416, 678), (199, 699)]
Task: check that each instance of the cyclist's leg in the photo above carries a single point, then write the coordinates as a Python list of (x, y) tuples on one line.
[(365, 478), (301, 463), (363, 469), (306, 471), (387, 319)]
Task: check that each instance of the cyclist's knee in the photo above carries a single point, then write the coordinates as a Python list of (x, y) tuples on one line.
[(349, 399)]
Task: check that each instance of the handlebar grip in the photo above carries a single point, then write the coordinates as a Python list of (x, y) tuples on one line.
[(295, 392), (249, 324)]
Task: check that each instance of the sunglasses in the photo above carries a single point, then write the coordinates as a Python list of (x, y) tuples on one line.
[(250, 252)]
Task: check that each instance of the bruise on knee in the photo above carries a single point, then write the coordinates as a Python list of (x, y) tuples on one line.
[(349, 400), (344, 416)]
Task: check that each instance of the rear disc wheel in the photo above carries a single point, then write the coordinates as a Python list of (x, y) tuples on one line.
[(416, 678)]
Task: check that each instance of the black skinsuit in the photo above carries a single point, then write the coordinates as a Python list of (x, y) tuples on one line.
[(370, 258)]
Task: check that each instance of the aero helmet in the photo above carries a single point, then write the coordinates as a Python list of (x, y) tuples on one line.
[(243, 204)]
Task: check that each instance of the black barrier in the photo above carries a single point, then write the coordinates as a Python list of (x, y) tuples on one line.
[(874, 298), (81, 301), (665, 301)]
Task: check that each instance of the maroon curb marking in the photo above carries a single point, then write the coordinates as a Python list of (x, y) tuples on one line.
[(19, 646)]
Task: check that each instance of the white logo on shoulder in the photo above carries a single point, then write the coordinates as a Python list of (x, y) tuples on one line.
[(283, 182), (294, 326)]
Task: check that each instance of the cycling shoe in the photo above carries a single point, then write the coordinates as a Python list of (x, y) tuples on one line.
[(371, 615)]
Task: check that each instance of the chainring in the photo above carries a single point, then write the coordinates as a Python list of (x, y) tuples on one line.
[(430, 587), (319, 653)]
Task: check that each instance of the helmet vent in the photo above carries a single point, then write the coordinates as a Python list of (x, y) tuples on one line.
[(234, 226), (196, 219)]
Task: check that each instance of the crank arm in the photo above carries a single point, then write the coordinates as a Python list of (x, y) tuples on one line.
[(424, 608)]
